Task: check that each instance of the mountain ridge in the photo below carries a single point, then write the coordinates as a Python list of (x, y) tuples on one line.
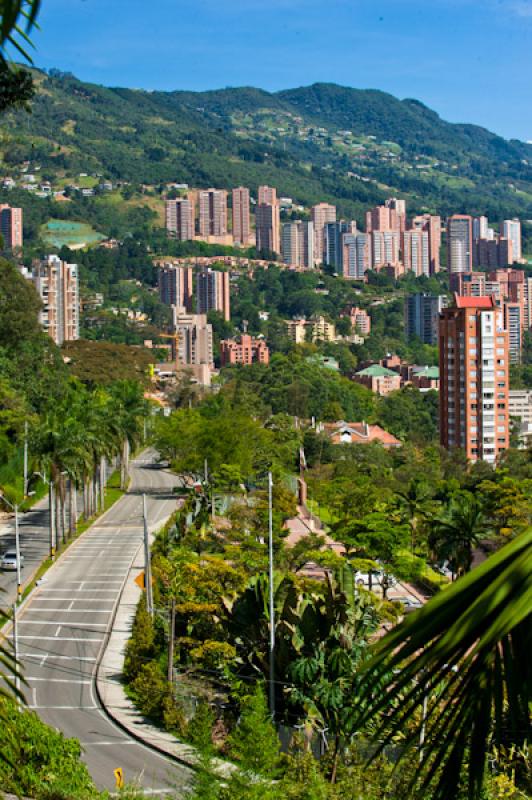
[(323, 141)]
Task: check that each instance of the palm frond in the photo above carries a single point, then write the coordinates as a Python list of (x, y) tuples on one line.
[(465, 653)]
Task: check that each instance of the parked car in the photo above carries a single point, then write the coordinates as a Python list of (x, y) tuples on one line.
[(409, 603), (9, 560)]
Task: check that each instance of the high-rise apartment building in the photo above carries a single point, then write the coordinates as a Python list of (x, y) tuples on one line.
[(194, 342), (333, 242), (212, 292), (175, 285), (513, 322), (180, 218), (385, 248), (416, 252), (57, 284), (480, 227), (356, 255), (267, 221), (459, 243), (241, 223), (511, 229), (474, 378), (11, 226), (267, 195), (213, 212), (297, 244), (430, 223), (399, 207), (389, 217), (321, 214), (492, 253), (422, 316)]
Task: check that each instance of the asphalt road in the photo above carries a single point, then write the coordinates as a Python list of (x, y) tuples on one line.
[(61, 632), (34, 546)]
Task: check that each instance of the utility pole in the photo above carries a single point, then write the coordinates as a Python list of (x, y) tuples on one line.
[(17, 555), (51, 503), (171, 642), (272, 613), (147, 560), (26, 459), (15, 651)]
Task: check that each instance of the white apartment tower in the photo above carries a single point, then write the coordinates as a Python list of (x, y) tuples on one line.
[(57, 285)]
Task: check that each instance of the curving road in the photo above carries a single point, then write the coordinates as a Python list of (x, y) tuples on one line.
[(61, 633)]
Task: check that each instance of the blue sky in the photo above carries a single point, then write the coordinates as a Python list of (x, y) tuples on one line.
[(471, 61)]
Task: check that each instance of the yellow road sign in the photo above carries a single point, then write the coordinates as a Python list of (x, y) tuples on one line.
[(119, 777), (140, 580)]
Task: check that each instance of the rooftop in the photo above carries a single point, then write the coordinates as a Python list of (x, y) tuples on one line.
[(473, 302), (376, 371)]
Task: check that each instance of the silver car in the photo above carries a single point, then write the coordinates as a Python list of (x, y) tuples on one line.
[(9, 561)]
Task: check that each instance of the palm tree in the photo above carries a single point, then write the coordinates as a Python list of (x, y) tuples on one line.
[(456, 676), (130, 409), (414, 505), (454, 533)]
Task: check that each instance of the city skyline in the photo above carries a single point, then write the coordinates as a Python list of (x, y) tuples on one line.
[(492, 48)]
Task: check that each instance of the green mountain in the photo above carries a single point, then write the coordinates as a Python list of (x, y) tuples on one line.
[(314, 143)]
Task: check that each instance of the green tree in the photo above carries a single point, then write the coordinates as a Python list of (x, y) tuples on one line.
[(457, 530)]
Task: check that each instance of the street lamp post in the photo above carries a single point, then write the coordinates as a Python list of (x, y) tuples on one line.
[(272, 612), (51, 504), (14, 506)]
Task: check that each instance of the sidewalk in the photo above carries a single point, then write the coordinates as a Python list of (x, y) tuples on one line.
[(110, 688)]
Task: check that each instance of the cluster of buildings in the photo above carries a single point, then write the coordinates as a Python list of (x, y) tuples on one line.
[(320, 329), (192, 294), (511, 290), (392, 373), (390, 241)]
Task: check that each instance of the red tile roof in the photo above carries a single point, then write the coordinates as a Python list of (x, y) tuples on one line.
[(359, 433), (474, 302)]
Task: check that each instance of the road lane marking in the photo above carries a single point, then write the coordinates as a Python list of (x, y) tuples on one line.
[(62, 625), (102, 744), (46, 623), (70, 610), (58, 639), (56, 657), (65, 708), (58, 680), (100, 591)]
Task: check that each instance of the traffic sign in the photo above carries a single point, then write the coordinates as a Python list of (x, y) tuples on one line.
[(140, 580), (119, 777)]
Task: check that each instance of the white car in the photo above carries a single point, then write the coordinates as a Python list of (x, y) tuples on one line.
[(9, 561)]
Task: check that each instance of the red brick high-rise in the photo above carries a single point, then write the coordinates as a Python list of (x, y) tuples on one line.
[(474, 378)]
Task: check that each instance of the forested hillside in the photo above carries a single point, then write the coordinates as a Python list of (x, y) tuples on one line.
[(315, 143)]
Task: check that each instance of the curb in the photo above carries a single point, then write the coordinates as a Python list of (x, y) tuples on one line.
[(98, 678)]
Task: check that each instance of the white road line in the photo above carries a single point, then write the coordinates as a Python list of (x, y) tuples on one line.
[(57, 680), (55, 658), (85, 581), (52, 623), (100, 591), (58, 638), (62, 625), (120, 742), (70, 610), (66, 708)]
